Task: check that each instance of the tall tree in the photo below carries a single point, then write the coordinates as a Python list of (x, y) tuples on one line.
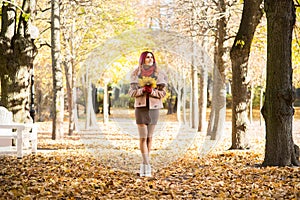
[(218, 110), (69, 58), (278, 106), (203, 84), (195, 91), (17, 54), (58, 90), (239, 54)]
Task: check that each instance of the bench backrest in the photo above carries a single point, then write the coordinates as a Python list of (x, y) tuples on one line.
[(5, 118)]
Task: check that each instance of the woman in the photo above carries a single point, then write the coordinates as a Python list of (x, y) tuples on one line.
[(147, 85)]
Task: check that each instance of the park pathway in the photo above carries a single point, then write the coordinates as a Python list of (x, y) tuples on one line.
[(116, 142)]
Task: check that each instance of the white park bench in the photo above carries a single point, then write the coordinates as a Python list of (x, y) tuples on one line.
[(24, 135)]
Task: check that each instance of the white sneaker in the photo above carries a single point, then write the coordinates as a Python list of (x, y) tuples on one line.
[(148, 170), (142, 170)]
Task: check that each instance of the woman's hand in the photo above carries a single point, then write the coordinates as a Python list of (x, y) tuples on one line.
[(147, 89)]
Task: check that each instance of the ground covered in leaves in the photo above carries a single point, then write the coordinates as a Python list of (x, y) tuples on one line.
[(66, 170), (70, 175)]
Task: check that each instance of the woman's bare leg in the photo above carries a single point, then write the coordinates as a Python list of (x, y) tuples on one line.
[(143, 132), (150, 129)]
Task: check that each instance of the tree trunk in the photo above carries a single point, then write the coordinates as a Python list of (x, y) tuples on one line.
[(7, 32), (184, 101), (68, 30), (91, 120), (218, 108), (239, 55), (105, 104), (170, 102), (17, 52), (203, 77), (194, 117), (261, 95), (278, 106), (179, 105), (68, 73), (68, 66), (251, 103), (58, 92)]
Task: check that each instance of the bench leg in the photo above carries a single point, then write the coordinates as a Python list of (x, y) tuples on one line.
[(34, 144), (34, 139), (19, 144)]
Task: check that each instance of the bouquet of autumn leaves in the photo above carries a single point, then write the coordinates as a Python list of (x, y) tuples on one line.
[(148, 83)]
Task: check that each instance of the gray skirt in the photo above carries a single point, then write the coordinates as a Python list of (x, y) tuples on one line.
[(144, 115)]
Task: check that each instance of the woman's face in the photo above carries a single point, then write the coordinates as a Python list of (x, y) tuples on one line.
[(149, 59)]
